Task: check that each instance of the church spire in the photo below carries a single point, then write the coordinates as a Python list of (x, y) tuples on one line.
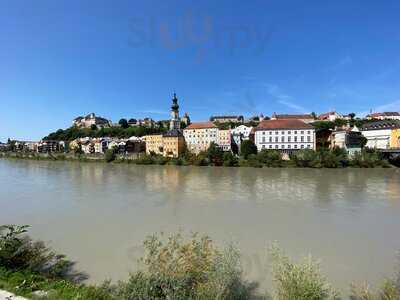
[(175, 122)]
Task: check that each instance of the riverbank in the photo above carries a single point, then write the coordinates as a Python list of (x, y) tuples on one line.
[(266, 158), (174, 267)]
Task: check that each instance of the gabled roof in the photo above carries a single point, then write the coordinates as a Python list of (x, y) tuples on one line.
[(384, 114), (326, 115), (201, 125), (384, 124), (283, 124), (173, 133)]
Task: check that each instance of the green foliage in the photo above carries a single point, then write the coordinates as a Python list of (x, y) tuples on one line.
[(305, 158), (230, 160), (178, 268), (270, 158), (368, 158), (215, 154), (19, 252), (73, 133), (110, 154), (247, 148), (123, 123), (301, 281), (388, 291)]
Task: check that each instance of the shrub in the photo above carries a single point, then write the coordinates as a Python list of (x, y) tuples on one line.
[(144, 160), (306, 158), (230, 160), (19, 252), (247, 148), (110, 155), (215, 154), (186, 269), (270, 158), (301, 281)]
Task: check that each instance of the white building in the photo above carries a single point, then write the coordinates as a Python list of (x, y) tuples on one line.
[(379, 133), (199, 136), (89, 120), (285, 135), (349, 139), (240, 134)]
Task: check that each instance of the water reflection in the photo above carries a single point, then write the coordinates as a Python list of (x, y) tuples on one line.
[(98, 213)]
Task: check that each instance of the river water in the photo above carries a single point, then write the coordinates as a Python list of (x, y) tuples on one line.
[(99, 214)]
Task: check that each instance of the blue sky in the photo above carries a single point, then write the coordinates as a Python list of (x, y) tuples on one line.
[(60, 59)]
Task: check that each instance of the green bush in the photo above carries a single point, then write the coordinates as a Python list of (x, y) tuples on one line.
[(179, 268), (301, 281), (306, 158), (110, 155), (19, 252), (270, 158), (247, 148), (230, 160)]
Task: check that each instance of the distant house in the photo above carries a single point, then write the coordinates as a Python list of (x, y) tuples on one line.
[(285, 135), (4, 147), (306, 118), (226, 119), (50, 146), (330, 116), (384, 116), (382, 134), (91, 119), (349, 139)]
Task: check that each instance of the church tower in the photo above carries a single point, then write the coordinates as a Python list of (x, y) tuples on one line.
[(175, 122)]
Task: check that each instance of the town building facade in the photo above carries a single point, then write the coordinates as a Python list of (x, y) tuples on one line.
[(349, 139), (224, 139), (384, 116), (330, 116), (199, 136), (226, 119), (285, 135), (382, 134)]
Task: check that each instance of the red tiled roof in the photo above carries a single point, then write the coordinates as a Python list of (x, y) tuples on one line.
[(201, 125), (284, 117), (283, 124), (326, 115)]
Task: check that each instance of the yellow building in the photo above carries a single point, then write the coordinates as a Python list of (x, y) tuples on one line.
[(395, 138), (154, 144), (174, 143), (169, 144)]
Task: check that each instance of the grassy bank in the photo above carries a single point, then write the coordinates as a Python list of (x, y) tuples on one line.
[(324, 158), (173, 267)]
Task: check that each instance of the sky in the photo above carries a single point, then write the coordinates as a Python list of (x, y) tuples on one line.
[(125, 58)]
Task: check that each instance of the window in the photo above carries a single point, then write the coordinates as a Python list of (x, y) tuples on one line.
[(263, 132), (276, 139), (302, 132), (295, 138), (276, 146), (263, 146), (270, 146), (283, 132), (309, 132), (302, 146), (289, 146), (309, 139), (283, 139), (295, 132), (302, 139), (263, 139), (289, 139), (308, 146), (288, 132), (276, 132), (270, 139), (295, 146)]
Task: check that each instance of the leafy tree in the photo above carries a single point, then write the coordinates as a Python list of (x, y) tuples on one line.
[(247, 147), (215, 154), (110, 154), (123, 123), (93, 127), (352, 116)]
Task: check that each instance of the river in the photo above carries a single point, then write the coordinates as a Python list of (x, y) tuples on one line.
[(98, 214)]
